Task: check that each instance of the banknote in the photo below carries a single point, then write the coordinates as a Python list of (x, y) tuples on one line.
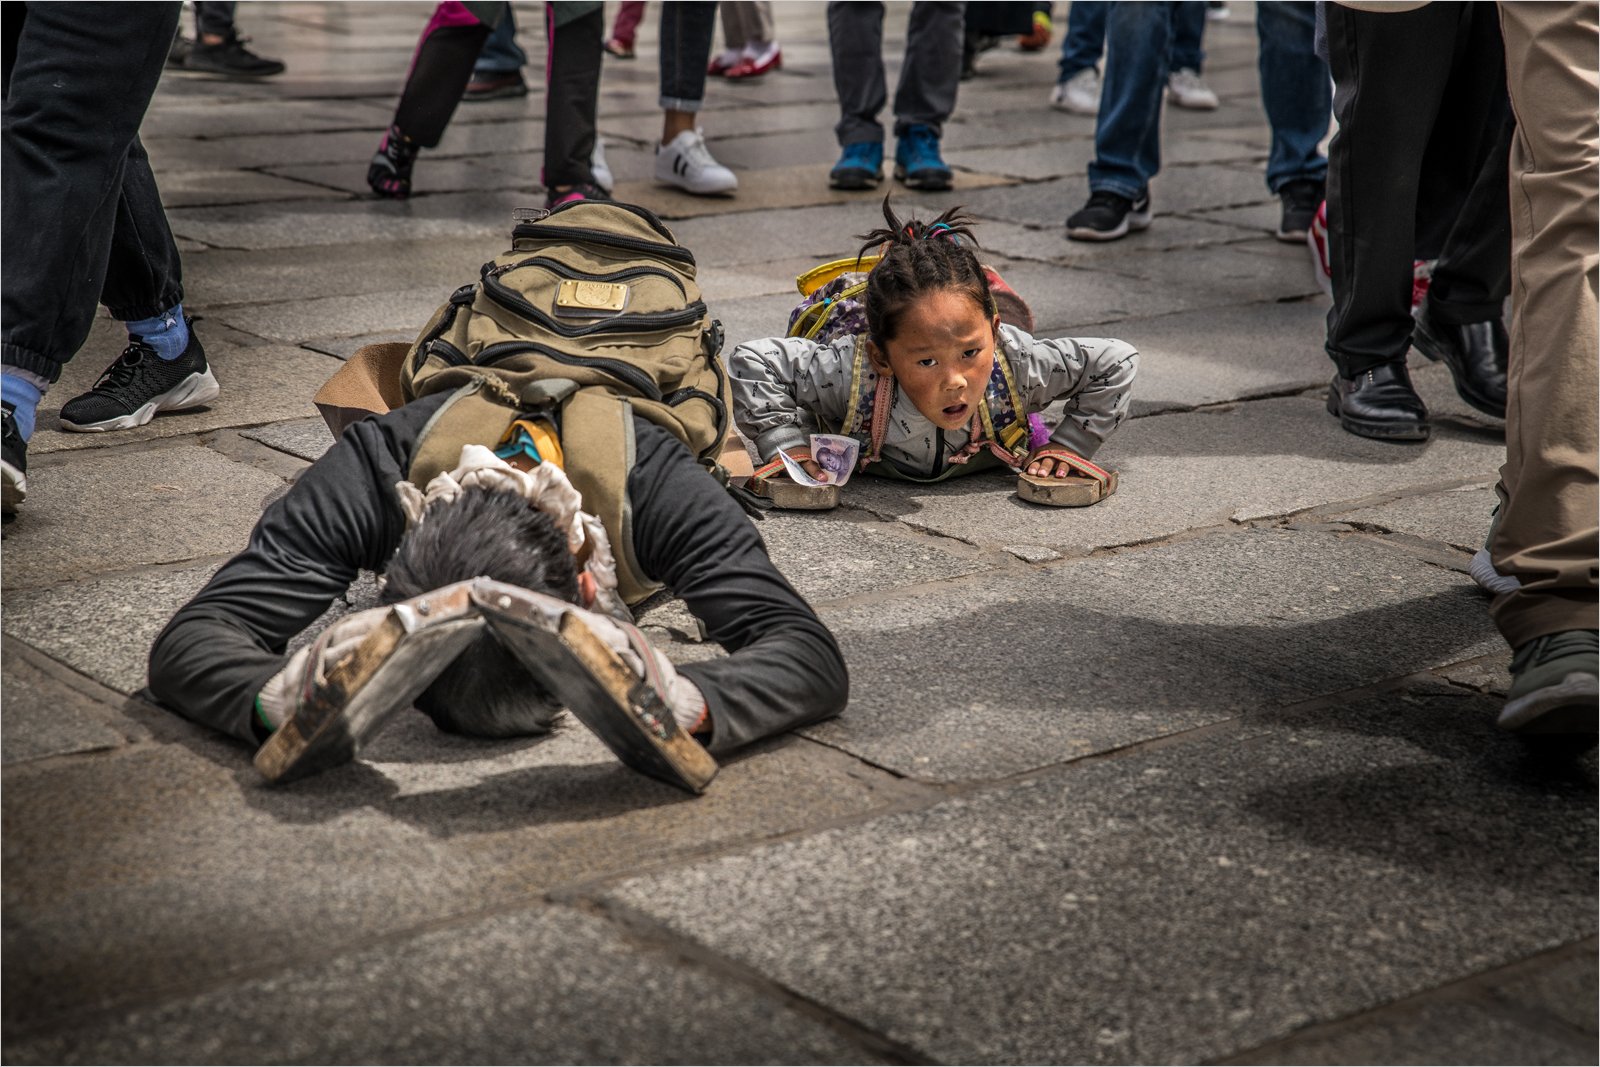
[(835, 454)]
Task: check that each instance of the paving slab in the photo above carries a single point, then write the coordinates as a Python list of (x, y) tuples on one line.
[(1047, 240), (544, 985), (103, 628), (836, 554), (1568, 989), (314, 224), (1059, 662), (176, 155), (268, 275), (305, 438), (396, 310), (121, 890), (1185, 471), (260, 384), (50, 711), (345, 347), (227, 118), (1070, 150), (73, 528), (188, 188), (1177, 904), (1490, 676), (1457, 517)]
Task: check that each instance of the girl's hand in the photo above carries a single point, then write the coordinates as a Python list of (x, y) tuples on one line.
[(1047, 466), (802, 456)]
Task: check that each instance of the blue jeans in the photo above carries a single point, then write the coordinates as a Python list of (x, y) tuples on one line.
[(1296, 91), (501, 54), (1086, 36), (1127, 132)]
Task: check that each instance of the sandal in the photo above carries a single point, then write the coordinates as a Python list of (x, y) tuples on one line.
[(1090, 485)]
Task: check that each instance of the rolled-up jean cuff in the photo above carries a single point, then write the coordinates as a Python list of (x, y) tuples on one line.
[(774, 441), (678, 103), (135, 312), (1130, 192), (15, 356)]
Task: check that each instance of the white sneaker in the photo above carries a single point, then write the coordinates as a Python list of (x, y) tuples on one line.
[(1079, 94), (597, 166), (688, 164), (1185, 89)]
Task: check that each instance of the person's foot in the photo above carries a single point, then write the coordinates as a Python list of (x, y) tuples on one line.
[(1108, 216), (686, 162), (13, 464), (1300, 199), (1553, 685), (231, 58), (1317, 242), (1186, 89), (619, 49), (389, 173), (178, 52), (1380, 403), (1037, 38), (599, 168), (758, 60), (723, 62), (139, 384), (1216, 11), (917, 162), (860, 166), (572, 193), (1079, 94), (495, 85), (1475, 352)]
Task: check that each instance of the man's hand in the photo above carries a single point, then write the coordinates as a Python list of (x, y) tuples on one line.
[(280, 697)]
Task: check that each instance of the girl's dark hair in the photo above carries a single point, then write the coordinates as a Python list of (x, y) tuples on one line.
[(494, 534), (920, 257)]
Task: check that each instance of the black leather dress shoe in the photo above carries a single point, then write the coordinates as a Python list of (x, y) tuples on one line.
[(1475, 353), (1380, 403)]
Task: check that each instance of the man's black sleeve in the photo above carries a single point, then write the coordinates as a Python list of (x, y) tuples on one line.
[(688, 533), (341, 516)]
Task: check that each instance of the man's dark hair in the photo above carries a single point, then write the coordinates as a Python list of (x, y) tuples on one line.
[(920, 257), (494, 534)]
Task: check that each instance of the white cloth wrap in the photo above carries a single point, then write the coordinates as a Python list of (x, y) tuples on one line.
[(545, 488)]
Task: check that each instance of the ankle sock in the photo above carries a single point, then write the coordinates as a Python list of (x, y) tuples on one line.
[(21, 392), (167, 332)]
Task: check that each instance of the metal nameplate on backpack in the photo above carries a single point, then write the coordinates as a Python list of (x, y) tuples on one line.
[(589, 299)]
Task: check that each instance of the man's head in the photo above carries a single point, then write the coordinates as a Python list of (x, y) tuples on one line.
[(493, 534)]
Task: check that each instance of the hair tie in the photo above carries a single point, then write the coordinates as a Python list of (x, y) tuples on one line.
[(941, 229)]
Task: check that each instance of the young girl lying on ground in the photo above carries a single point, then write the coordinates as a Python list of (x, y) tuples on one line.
[(912, 360)]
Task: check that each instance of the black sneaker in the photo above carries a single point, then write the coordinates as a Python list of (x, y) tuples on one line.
[(389, 173), (1300, 201), (495, 86), (1108, 216), (13, 464), (230, 58), (139, 384)]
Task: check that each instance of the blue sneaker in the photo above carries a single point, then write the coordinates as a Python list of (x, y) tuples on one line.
[(860, 167), (917, 161)]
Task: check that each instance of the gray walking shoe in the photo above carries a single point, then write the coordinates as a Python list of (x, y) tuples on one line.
[(1555, 685)]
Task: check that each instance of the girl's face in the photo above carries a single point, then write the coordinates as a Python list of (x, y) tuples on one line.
[(941, 356)]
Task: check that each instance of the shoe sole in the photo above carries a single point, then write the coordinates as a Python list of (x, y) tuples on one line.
[(856, 180), (1431, 347), (1568, 707), (13, 488), (362, 692), (1292, 237), (193, 391), (583, 674), (1074, 110), (1379, 431), (926, 184), (676, 183), (1209, 106), (1132, 222)]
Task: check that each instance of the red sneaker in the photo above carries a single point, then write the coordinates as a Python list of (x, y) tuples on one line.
[(723, 62), (1317, 242), (754, 64)]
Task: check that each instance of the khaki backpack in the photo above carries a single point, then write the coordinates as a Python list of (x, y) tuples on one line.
[(593, 317)]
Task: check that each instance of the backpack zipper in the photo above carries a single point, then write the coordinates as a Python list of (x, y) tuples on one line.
[(626, 373), (558, 268), (644, 213), (546, 232), (643, 322)]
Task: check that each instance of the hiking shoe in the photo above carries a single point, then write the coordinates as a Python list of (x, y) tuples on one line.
[(600, 169), (1079, 94), (496, 86), (686, 162), (581, 191), (917, 162), (389, 173), (859, 167), (1186, 89), (139, 384), (1108, 216), (1301, 200), (13, 464), (1317, 242), (1554, 685), (230, 58)]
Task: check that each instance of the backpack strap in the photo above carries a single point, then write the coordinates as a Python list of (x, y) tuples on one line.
[(478, 413), (597, 437)]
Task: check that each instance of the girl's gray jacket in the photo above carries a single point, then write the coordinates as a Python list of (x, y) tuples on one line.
[(787, 388)]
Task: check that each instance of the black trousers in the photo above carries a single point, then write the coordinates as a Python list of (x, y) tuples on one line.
[(81, 221), (1420, 158)]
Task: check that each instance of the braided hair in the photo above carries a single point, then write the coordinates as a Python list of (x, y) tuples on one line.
[(917, 258)]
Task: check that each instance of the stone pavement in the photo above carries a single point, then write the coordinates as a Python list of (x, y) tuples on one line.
[(1204, 773)]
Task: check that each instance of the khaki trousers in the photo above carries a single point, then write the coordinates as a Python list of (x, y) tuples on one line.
[(1547, 533)]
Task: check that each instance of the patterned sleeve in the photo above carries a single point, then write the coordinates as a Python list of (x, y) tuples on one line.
[(785, 387), (1092, 374)]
